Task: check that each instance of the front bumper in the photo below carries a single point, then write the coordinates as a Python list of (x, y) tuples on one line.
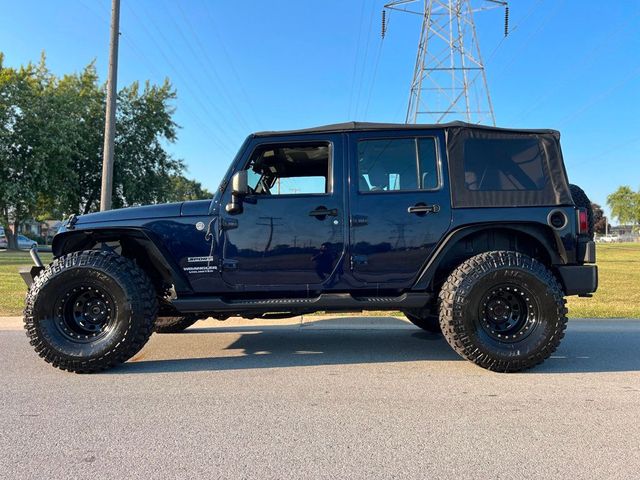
[(579, 279), (29, 273)]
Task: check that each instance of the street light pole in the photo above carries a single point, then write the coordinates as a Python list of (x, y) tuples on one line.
[(110, 119)]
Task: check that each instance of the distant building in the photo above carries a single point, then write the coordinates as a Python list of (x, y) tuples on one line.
[(622, 229), (35, 229)]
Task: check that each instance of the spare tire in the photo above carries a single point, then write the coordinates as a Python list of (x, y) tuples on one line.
[(582, 201)]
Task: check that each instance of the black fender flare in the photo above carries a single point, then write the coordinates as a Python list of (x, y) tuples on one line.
[(541, 233), (160, 262)]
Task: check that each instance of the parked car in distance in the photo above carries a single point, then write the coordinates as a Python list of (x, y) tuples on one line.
[(3, 242), (609, 239), (25, 243)]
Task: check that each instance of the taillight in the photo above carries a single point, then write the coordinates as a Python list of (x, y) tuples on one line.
[(583, 223)]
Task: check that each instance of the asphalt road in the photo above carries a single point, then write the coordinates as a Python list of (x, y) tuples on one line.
[(325, 399)]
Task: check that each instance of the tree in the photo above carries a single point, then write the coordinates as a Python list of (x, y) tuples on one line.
[(51, 141), (625, 205), (32, 142), (84, 106), (599, 220), (143, 169), (181, 188)]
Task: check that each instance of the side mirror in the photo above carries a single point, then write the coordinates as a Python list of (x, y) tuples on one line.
[(239, 189), (239, 185)]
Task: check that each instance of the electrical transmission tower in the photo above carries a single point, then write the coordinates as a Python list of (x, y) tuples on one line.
[(449, 80)]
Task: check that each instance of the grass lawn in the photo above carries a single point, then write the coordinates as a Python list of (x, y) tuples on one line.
[(12, 287), (618, 294)]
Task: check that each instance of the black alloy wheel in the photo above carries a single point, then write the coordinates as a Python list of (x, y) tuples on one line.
[(89, 311), (503, 310)]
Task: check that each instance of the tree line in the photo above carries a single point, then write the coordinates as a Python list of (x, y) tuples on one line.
[(51, 143), (625, 205)]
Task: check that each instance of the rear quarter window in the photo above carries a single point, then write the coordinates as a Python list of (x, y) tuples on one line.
[(515, 164)]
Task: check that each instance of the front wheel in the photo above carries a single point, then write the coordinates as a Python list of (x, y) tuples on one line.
[(89, 311), (503, 310)]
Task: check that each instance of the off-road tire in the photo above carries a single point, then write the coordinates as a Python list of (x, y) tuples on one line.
[(174, 324), (52, 324), (582, 201), (463, 304), (425, 320)]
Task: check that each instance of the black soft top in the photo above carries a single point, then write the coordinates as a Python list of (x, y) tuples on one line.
[(371, 126), (492, 160)]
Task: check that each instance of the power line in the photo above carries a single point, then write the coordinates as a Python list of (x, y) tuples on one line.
[(212, 119), (373, 80), (208, 64), (527, 42), (231, 64), (597, 98), (582, 62), (613, 148), (509, 31), (195, 77), (364, 61), (356, 58)]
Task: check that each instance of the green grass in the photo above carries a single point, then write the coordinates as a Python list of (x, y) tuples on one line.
[(618, 294), (12, 287)]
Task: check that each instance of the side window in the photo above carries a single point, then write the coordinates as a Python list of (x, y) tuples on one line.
[(397, 164), (503, 164), (288, 169)]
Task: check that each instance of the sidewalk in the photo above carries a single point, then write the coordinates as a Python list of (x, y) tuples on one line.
[(338, 321)]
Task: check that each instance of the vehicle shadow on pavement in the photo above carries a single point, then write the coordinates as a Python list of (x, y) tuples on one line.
[(589, 346), (315, 344)]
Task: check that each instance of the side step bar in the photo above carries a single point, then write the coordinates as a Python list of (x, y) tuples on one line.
[(325, 301)]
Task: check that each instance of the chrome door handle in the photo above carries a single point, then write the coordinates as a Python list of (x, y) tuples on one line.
[(322, 212), (422, 209)]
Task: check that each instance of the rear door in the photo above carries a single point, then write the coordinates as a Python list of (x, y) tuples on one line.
[(400, 205)]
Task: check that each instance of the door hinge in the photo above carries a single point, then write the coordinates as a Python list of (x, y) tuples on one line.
[(227, 265), (359, 220), (358, 260), (228, 223)]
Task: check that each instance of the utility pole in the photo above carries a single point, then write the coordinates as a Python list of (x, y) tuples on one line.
[(449, 80), (110, 118)]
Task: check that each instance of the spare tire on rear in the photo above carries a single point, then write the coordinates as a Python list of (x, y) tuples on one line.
[(582, 201)]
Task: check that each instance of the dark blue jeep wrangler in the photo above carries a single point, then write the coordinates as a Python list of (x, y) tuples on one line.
[(469, 230)]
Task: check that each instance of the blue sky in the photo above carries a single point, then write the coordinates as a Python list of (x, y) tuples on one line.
[(254, 65)]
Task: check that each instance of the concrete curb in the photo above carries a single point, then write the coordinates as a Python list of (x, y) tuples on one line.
[(306, 322)]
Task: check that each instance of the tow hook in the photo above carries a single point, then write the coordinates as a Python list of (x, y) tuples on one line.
[(29, 273)]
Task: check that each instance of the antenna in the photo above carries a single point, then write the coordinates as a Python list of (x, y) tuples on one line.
[(449, 80)]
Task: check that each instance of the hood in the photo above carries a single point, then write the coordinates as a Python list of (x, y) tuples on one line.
[(132, 213)]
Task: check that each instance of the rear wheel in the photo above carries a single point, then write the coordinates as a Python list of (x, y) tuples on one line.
[(503, 311), (174, 324), (89, 311)]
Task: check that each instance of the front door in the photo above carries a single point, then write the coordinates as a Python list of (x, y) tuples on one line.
[(291, 230), (400, 205)]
